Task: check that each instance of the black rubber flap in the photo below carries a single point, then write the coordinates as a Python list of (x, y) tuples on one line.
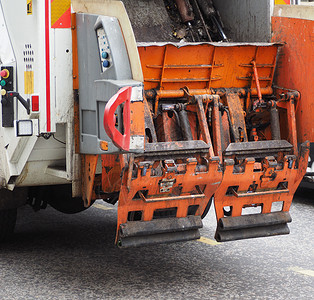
[(252, 226), (136, 233)]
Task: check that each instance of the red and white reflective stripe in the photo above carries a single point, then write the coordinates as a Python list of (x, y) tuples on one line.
[(47, 45)]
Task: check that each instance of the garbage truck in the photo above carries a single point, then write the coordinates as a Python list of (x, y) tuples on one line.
[(159, 106)]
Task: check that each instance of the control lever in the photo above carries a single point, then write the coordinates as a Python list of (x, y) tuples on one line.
[(25, 103)]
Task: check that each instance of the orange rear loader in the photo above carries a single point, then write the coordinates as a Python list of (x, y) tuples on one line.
[(214, 127)]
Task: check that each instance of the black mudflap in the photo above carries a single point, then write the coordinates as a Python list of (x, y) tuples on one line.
[(252, 226), (138, 233)]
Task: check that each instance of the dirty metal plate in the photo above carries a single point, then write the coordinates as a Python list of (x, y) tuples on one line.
[(180, 147), (237, 117), (258, 148), (150, 20)]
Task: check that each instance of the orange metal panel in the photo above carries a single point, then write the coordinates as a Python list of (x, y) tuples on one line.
[(185, 183), (207, 66), (111, 180), (266, 191), (295, 68)]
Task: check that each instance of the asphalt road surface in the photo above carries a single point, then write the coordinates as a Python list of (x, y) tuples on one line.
[(56, 256)]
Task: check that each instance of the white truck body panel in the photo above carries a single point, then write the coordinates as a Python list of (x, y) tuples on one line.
[(51, 68)]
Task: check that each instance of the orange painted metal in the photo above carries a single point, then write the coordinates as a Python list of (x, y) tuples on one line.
[(89, 164), (182, 194), (258, 87), (111, 171), (287, 103), (161, 94), (295, 68), (206, 66), (236, 188), (236, 116)]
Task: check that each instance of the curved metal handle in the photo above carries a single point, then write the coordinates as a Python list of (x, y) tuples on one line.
[(121, 141)]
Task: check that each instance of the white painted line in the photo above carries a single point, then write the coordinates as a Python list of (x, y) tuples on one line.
[(302, 271), (101, 206), (208, 241)]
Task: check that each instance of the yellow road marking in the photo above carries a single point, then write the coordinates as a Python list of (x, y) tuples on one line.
[(208, 241), (101, 206), (302, 271)]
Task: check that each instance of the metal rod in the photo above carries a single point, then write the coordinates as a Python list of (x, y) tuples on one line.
[(274, 123), (152, 94), (202, 20), (185, 125), (191, 31), (221, 32), (258, 87)]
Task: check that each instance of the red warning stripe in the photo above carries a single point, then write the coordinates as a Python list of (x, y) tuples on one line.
[(47, 53)]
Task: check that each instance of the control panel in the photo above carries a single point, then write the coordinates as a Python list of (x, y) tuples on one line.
[(104, 49), (6, 85)]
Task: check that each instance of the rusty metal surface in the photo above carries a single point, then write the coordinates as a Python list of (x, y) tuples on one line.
[(89, 164), (258, 148), (267, 177), (187, 194), (275, 123), (179, 147), (237, 117)]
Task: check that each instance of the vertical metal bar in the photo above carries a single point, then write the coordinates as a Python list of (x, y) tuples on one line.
[(203, 124), (259, 93), (216, 128), (163, 67), (274, 123), (185, 125), (292, 126), (211, 69)]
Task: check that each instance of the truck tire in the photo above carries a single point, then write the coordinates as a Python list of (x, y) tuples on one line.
[(60, 198), (68, 206), (206, 210), (7, 223)]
